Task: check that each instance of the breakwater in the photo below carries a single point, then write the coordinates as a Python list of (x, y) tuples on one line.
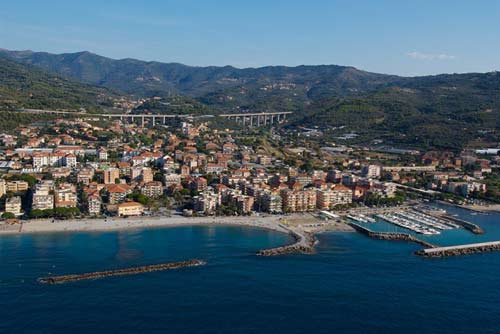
[(304, 244), (460, 249), (120, 272), (390, 235), (465, 224)]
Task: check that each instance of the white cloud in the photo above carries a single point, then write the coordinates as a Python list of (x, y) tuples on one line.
[(430, 56)]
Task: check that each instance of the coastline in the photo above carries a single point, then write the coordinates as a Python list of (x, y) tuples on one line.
[(273, 223)]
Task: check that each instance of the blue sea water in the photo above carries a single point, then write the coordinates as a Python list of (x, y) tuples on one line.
[(352, 285)]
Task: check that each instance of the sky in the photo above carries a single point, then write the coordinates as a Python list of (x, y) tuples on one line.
[(418, 37)]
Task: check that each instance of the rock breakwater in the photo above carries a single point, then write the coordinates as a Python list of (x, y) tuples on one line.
[(120, 272)]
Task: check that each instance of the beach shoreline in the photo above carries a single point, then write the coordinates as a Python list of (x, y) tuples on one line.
[(273, 223)]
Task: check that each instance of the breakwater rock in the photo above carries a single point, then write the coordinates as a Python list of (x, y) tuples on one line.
[(460, 249), (390, 235), (304, 244), (465, 224), (120, 272)]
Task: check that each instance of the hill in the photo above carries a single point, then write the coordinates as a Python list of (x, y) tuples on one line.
[(445, 111), (24, 86), (155, 78)]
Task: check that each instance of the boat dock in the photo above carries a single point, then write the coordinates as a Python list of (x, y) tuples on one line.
[(460, 249)]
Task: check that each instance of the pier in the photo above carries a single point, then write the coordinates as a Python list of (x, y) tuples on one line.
[(390, 235), (120, 272), (460, 249)]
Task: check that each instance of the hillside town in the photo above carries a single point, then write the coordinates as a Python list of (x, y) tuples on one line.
[(76, 168)]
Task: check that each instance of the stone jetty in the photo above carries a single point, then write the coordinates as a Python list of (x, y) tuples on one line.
[(465, 224), (120, 272), (460, 249), (304, 244), (390, 235)]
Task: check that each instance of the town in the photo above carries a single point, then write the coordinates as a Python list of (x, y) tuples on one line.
[(74, 167)]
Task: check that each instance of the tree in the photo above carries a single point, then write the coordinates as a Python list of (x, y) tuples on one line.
[(8, 215)]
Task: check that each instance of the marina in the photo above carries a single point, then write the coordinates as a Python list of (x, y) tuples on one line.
[(408, 224)]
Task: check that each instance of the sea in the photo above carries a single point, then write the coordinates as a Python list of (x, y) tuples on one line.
[(352, 284)]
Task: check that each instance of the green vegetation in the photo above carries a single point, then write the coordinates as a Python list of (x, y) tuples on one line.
[(24, 86), (8, 215), (442, 112), (60, 213), (140, 198)]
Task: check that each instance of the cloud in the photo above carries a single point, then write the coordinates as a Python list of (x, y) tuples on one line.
[(430, 56)]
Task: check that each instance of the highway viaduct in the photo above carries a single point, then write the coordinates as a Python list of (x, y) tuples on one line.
[(249, 119)]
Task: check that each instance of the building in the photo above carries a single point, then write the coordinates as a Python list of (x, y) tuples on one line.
[(264, 160), (102, 153), (94, 204), (13, 205), (271, 202), (117, 193), (135, 174), (172, 179), (55, 159), (42, 198), (85, 176), (3, 187), (371, 171), (17, 186), (65, 196), (110, 175), (329, 198), (152, 189), (198, 184), (70, 160), (213, 168), (298, 200), (207, 202), (147, 175), (130, 209)]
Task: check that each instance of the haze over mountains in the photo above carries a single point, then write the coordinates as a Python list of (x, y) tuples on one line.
[(437, 110), (147, 78)]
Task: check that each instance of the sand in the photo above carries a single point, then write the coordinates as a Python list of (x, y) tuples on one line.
[(115, 223)]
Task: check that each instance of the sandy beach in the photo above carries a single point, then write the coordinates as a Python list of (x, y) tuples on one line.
[(297, 221)]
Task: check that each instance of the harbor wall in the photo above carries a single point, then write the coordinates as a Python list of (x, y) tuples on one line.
[(459, 250), (389, 235)]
